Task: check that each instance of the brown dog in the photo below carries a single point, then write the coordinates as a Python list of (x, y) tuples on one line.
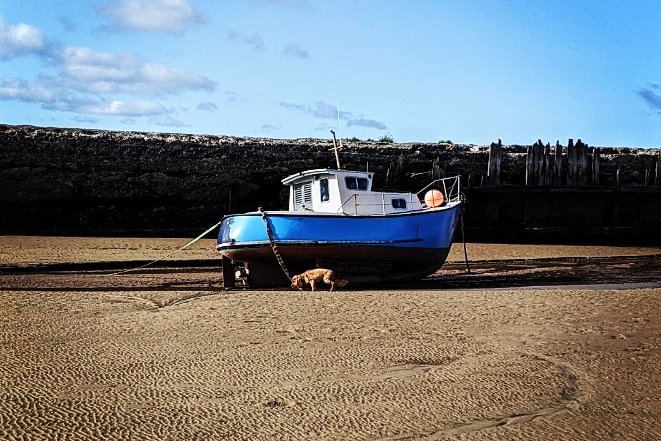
[(314, 276)]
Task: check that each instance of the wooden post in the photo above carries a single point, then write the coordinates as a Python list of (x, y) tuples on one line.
[(548, 176), (557, 171), (582, 165), (535, 164), (400, 170), (538, 149), (571, 163), (436, 169), (577, 163), (396, 173), (595, 166), (493, 168), (529, 166)]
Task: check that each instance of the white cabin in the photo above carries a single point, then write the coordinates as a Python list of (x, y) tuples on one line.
[(344, 192)]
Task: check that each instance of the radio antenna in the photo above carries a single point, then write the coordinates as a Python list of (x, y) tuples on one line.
[(338, 124), (336, 148), (336, 145)]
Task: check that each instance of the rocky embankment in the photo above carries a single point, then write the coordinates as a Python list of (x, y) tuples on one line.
[(76, 181)]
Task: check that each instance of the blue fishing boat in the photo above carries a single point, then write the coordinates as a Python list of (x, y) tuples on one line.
[(335, 220)]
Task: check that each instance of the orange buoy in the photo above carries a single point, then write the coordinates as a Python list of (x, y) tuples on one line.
[(434, 198)]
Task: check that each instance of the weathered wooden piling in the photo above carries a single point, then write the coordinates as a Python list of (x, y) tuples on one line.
[(577, 163), (539, 165), (396, 173), (437, 172), (493, 166), (530, 165), (557, 168), (595, 166)]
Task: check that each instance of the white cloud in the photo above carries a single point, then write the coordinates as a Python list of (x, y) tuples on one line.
[(207, 106), (366, 122), (296, 51), (171, 16), (652, 96), (89, 66), (163, 78), (88, 82), (118, 107), (105, 72), (320, 110), (19, 39), (167, 120), (324, 110), (254, 41), (21, 90), (51, 95), (269, 128), (68, 24), (231, 97), (86, 119)]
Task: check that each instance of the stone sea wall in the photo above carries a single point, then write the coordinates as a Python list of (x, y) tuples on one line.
[(76, 181)]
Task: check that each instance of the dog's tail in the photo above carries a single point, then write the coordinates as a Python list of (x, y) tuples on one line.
[(341, 282)]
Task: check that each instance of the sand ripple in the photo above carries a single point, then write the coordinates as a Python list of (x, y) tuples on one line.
[(264, 365)]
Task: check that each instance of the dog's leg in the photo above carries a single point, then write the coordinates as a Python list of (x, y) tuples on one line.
[(329, 279), (312, 284)]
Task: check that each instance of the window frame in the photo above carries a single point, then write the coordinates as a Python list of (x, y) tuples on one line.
[(398, 203), (324, 190), (358, 183)]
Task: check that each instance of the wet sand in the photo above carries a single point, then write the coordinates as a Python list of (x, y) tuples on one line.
[(23, 250), (169, 355)]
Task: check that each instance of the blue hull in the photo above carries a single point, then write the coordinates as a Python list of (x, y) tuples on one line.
[(361, 248)]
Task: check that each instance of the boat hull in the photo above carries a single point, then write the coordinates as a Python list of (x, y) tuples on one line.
[(363, 249)]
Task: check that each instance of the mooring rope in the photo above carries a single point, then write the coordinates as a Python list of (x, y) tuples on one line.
[(274, 246), (463, 237), (169, 255)]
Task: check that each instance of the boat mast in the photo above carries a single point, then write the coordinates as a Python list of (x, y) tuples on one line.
[(336, 148)]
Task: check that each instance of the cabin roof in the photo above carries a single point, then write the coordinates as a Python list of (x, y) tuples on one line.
[(321, 171)]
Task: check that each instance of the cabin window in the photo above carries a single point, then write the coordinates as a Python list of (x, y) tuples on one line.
[(303, 193), (398, 203), (323, 189), (355, 183)]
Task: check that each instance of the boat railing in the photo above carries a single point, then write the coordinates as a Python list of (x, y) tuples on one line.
[(450, 187), (378, 203), (374, 203)]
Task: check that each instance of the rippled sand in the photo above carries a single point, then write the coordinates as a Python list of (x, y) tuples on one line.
[(486, 364)]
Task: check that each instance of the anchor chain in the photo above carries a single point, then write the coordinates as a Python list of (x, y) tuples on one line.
[(274, 246)]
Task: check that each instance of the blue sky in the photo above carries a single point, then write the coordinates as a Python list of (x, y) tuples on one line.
[(417, 70)]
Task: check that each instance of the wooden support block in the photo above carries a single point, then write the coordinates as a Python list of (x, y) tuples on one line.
[(228, 272)]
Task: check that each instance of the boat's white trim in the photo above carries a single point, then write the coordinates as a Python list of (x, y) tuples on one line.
[(447, 206)]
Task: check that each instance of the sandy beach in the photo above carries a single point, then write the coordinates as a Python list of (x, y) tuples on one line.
[(168, 354)]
